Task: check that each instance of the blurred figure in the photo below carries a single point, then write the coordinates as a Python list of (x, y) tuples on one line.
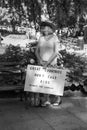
[(47, 52)]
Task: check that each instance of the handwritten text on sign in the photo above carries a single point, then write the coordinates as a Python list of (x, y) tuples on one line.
[(49, 80)]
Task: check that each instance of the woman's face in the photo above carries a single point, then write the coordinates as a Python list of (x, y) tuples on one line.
[(46, 30)]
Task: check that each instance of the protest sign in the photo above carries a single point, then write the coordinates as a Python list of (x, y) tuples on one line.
[(45, 80)]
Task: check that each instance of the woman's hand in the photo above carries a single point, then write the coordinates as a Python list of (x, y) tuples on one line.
[(45, 65), (41, 62)]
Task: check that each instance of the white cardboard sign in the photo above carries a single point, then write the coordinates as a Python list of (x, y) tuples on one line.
[(45, 80)]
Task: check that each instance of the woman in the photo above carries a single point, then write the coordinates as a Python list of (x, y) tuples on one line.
[(47, 51)]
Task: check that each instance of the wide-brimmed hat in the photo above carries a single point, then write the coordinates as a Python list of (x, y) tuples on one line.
[(47, 23)]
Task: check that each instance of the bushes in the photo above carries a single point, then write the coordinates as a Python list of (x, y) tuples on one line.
[(16, 54), (74, 63)]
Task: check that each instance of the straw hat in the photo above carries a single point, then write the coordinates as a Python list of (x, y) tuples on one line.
[(47, 23)]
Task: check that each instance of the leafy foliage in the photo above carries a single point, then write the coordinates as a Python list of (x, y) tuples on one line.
[(76, 64), (61, 12), (16, 54), (12, 54), (19, 12), (15, 61), (13, 64)]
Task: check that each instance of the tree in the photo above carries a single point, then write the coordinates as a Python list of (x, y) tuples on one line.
[(65, 12), (24, 12), (21, 12)]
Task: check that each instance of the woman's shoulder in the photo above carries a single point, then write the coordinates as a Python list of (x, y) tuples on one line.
[(55, 37), (41, 38)]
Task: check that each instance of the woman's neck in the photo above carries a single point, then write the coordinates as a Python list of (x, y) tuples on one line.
[(48, 37), (47, 34)]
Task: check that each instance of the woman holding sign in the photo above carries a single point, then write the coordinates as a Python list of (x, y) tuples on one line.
[(47, 51)]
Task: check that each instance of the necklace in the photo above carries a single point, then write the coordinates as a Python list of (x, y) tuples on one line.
[(48, 37)]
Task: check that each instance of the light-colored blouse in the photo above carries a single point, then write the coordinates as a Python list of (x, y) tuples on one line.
[(47, 46)]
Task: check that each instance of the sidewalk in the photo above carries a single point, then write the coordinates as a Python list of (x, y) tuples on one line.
[(71, 115)]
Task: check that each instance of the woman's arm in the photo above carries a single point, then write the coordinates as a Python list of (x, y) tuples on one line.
[(37, 52)]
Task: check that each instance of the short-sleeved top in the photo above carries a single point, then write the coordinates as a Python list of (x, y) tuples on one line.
[(47, 46)]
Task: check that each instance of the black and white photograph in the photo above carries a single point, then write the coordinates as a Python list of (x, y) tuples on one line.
[(43, 64)]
